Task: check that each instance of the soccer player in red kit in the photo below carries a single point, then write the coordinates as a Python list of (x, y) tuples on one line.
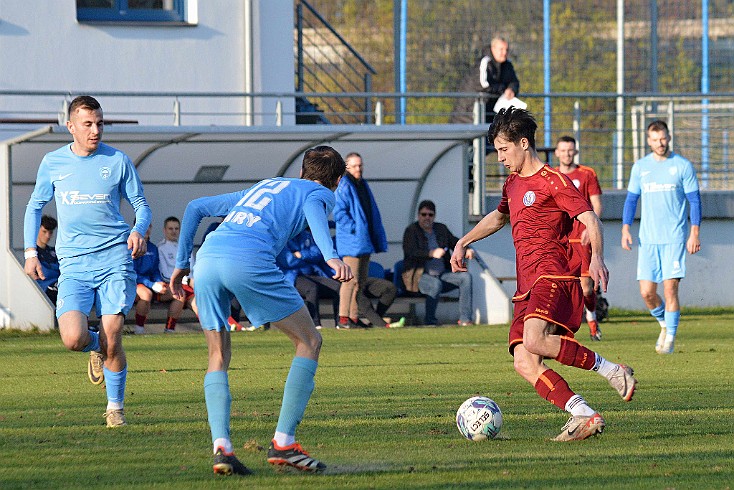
[(585, 180), (541, 204)]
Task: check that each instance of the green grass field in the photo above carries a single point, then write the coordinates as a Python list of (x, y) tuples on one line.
[(382, 415)]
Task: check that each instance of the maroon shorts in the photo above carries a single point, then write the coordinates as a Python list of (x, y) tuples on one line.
[(579, 258), (558, 301), (188, 293)]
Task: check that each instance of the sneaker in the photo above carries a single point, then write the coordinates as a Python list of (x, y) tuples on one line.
[(234, 325), (294, 456), (594, 330), (398, 324), (464, 323), (343, 326), (661, 340), (170, 330), (228, 464), (139, 330), (95, 367), (115, 417), (668, 345), (580, 428), (319, 327), (623, 380)]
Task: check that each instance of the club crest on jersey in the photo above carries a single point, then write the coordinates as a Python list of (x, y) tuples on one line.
[(673, 170), (105, 172), (529, 198), (577, 183)]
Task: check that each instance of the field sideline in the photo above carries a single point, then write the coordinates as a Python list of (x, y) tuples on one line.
[(382, 415)]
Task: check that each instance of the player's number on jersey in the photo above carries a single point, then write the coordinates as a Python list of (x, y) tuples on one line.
[(259, 197)]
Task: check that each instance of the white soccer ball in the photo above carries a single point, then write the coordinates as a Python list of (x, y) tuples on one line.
[(479, 418)]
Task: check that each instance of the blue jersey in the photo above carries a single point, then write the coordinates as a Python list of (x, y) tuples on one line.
[(88, 191), (146, 267), (663, 186), (260, 219)]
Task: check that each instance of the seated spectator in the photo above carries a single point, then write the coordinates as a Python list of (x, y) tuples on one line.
[(167, 249), (427, 249), (149, 283), (384, 292), (47, 258)]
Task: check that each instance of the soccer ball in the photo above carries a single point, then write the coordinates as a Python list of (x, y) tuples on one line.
[(479, 418)]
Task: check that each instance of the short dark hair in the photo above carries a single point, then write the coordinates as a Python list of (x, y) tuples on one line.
[(171, 218), (352, 154), (84, 102), (49, 222), (427, 204), (324, 164), (513, 124), (658, 125), (566, 139)]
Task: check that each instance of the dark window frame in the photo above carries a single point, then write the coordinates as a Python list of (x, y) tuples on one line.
[(121, 13)]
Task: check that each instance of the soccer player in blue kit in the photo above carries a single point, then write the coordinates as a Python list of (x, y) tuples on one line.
[(95, 245), (238, 260), (665, 181)]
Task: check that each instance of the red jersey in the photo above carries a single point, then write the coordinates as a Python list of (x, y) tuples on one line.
[(541, 208), (586, 181)]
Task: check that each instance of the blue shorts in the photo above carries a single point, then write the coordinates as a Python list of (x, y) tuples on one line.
[(657, 263), (110, 291), (257, 283)]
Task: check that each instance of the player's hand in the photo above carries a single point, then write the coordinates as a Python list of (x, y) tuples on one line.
[(458, 258), (626, 239), (136, 243), (509, 93), (342, 272), (693, 244), (469, 254), (33, 268), (599, 272), (437, 253), (175, 284)]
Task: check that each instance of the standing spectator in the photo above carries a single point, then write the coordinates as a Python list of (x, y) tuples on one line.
[(238, 260), (497, 75), (95, 246), (167, 249), (585, 180), (47, 258), (359, 233), (540, 204), (149, 283), (426, 267), (665, 181)]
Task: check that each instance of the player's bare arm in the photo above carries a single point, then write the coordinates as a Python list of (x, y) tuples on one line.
[(342, 272), (597, 269), (596, 205), (136, 244), (693, 245), (175, 284), (626, 237), (490, 224)]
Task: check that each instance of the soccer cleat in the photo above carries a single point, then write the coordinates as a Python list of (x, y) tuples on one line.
[(398, 324), (661, 340), (115, 417), (228, 464), (623, 380), (95, 367), (343, 326), (294, 456), (668, 345), (594, 330), (579, 428)]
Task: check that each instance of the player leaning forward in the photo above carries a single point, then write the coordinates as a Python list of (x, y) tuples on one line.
[(541, 203), (238, 260), (95, 246)]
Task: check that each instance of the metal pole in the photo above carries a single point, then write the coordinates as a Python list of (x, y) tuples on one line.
[(378, 113), (278, 113), (620, 92), (176, 112), (546, 73), (653, 46), (577, 129), (403, 54), (705, 90), (299, 30)]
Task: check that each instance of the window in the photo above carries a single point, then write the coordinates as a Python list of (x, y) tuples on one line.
[(131, 11)]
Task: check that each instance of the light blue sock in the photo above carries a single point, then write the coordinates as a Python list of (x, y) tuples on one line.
[(218, 402), (93, 343), (115, 385), (659, 313), (672, 318), (298, 388)]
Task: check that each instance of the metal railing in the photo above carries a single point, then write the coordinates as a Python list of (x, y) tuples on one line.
[(702, 125)]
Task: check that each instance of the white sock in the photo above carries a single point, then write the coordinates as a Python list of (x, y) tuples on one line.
[(282, 439), (114, 405), (590, 316), (577, 406), (604, 367), (224, 443)]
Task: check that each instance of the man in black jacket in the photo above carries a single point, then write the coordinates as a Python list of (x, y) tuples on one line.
[(427, 248), (497, 75)]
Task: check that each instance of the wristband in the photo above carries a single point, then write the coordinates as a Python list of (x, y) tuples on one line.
[(29, 254)]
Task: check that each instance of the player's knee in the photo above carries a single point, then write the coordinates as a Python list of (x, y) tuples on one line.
[(73, 342), (522, 367)]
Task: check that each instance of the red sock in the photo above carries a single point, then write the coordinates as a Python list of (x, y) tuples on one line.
[(552, 387), (574, 354), (343, 320), (171, 323), (140, 320), (590, 302)]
